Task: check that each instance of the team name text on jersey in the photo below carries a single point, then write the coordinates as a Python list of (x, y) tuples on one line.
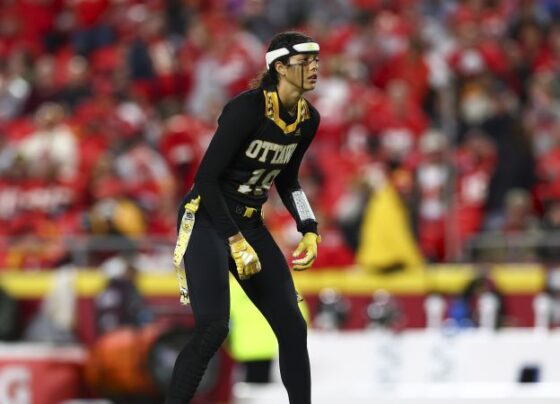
[(282, 153)]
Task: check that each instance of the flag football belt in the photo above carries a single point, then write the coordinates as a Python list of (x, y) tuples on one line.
[(247, 212), (185, 229)]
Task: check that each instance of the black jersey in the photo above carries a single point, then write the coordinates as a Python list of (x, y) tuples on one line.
[(257, 143)]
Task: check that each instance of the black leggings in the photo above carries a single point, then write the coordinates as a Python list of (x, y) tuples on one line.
[(272, 290)]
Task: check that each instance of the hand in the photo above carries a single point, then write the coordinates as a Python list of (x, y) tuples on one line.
[(308, 244), (245, 257)]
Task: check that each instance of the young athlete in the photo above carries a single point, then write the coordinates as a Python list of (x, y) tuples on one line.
[(261, 138)]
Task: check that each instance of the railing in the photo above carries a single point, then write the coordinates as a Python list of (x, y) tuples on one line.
[(534, 246), (86, 251), (83, 249)]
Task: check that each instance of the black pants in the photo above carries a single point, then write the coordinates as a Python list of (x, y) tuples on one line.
[(207, 261)]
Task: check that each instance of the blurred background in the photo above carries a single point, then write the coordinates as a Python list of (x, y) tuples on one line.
[(435, 177)]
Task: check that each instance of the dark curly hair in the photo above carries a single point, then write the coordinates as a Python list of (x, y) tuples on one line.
[(269, 77)]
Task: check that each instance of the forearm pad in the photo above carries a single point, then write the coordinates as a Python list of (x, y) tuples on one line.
[(301, 210)]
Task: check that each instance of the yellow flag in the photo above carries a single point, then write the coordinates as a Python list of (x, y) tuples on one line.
[(386, 239)]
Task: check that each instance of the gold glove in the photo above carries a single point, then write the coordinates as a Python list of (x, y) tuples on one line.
[(245, 257), (308, 244)]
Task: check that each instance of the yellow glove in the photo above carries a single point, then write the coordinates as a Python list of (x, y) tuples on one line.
[(308, 244), (245, 257)]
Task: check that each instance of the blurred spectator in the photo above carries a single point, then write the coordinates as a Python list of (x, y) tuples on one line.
[(120, 303), (475, 159), (117, 216), (398, 121), (411, 67), (553, 291), (551, 220), (335, 252), (77, 88), (182, 149), (54, 322), (44, 86), (464, 309), (550, 236), (384, 312), (519, 223), (253, 17), (52, 145), (549, 251), (542, 114), (224, 70), (148, 181), (332, 310), (9, 317), (288, 13), (515, 165), (14, 86), (548, 168), (90, 29), (432, 179), (519, 216)]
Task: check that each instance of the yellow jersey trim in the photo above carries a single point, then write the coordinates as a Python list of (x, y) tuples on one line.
[(272, 112)]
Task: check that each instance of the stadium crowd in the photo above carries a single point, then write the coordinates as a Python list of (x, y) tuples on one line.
[(107, 105)]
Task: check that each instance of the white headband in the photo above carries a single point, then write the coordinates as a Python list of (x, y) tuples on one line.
[(306, 47)]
